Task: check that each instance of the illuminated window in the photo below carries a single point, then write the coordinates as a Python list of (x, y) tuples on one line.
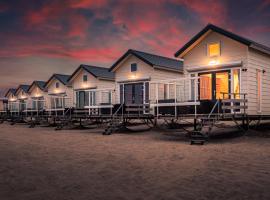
[(57, 85), (133, 67), (84, 78), (206, 86), (214, 49), (236, 83)]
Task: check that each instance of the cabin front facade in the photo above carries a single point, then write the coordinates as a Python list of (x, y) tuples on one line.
[(227, 63), (3, 105), (22, 97), (60, 94), (92, 86), (37, 96), (12, 99), (138, 75)]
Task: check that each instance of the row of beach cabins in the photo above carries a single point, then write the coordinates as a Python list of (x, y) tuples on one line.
[(216, 74)]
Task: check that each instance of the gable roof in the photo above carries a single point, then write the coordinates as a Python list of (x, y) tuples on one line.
[(211, 27), (97, 72), (10, 90), (63, 78), (153, 60), (40, 84), (23, 87)]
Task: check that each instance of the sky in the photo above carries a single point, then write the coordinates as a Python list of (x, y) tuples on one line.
[(42, 37)]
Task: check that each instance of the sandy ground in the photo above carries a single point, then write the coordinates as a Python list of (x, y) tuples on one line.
[(41, 163)]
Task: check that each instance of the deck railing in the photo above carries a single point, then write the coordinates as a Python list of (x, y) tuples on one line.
[(174, 92)]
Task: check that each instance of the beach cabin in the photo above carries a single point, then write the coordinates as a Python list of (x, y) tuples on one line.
[(22, 97), (60, 94), (13, 106), (93, 87), (37, 97), (3, 105), (144, 79), (228, 66)]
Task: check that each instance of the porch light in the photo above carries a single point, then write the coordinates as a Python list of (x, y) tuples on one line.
[(37, 95), (85, 85), (133, 75), (213, 62)]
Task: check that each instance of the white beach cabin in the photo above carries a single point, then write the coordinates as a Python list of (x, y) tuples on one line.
[(22, 97), (13, 106), (37, 97), (3, 105), (93, 87), (228, 66), (146, 79), (60, 94)]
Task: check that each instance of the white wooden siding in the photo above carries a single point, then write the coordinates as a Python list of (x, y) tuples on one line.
[(258, 61), (92, 82), (62, 89), (144, 71)]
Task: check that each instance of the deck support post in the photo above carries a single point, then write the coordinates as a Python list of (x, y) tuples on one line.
[(195, 124)]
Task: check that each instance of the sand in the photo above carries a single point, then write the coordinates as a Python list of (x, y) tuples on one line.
[(41, 163)]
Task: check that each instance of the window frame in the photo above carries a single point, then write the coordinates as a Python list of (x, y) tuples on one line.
[(85, 76), (133, 65), (208, 49), (57, 85)]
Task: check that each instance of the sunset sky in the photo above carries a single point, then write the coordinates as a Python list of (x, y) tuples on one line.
[(41, 37)]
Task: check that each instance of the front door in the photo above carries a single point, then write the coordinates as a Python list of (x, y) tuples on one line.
[(134, 93), (214, 85), (80, 99)]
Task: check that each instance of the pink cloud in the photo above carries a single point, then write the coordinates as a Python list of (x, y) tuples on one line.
[(78, 26), (88, 3), (210, 11), (95, 54)]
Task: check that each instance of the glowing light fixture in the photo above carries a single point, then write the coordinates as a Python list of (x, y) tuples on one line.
[(213, 62)]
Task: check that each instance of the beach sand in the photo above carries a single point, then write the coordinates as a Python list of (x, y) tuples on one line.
[(41, 163)]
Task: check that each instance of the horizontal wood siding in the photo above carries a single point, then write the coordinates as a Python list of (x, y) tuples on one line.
[(231, 51), (258, 61), (144, 71), (62, 89), (92, 82)]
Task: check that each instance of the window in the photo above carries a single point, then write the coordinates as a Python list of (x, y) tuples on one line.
[(85, 78), (57, 84), (205, 86), (236, 83), (214, 49), (133, 67)]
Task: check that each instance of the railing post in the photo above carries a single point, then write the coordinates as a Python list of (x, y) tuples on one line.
[(175, 100), (157, 99)]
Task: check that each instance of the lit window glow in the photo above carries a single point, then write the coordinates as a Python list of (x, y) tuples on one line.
[(214, 49)]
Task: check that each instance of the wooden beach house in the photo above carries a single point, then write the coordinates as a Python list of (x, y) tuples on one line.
[(22, 97), (37, 97), (93, 88), (140, 78), (12, 100), (228, 66), (60, 94)]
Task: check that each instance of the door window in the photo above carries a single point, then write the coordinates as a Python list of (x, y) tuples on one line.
[(206, 86), (236, 82), (222, 85)]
